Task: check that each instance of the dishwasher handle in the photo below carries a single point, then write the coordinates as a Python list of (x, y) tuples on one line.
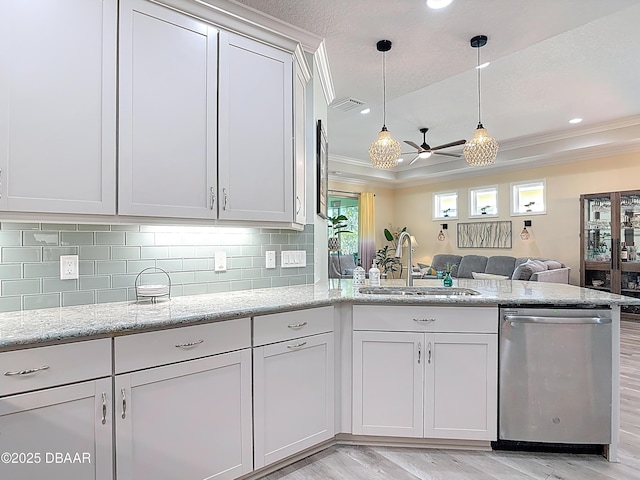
[(558, 320)]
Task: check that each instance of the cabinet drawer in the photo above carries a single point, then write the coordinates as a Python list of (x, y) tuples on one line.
[(145, 350), (425, 319), (285, 326), (41, 367)]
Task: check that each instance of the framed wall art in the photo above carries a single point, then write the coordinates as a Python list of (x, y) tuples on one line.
[(484, 234), (322, 175)]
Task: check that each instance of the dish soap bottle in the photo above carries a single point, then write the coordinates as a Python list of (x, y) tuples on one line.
[(374, 275), (447, 281), (358, 276)]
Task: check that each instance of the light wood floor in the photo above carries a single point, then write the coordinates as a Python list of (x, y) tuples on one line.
[(383, 463)]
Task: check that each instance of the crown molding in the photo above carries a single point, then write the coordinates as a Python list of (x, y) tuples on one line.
[(302, 64), (321, 62)]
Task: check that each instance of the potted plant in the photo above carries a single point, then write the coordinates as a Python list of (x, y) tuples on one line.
[(386, 256), (337, 225)]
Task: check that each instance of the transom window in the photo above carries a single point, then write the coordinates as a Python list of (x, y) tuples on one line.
[(528, 198), (445, 205), (483, 202)]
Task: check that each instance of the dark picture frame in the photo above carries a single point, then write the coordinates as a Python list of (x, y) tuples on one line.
[(322, 174), (485, 234)]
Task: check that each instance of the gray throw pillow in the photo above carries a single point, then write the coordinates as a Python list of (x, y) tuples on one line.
[(552, 264), (528, 268)]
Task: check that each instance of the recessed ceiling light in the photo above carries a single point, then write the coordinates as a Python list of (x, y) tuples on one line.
[(575, 120), (436, 4), (483, 65), (364, 111)]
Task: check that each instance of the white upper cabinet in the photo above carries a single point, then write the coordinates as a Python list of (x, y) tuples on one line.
[(58, 106), (255, 179), (302, 77), (168, 89)]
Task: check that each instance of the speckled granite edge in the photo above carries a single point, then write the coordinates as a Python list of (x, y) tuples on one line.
[(35, 327)]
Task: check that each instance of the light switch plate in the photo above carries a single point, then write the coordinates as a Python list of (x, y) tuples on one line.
[(220, 262), (270, 259)]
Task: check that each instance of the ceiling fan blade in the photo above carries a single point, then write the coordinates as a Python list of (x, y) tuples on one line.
[(452, 144), (414, 160), (448, 154), (409, 142)]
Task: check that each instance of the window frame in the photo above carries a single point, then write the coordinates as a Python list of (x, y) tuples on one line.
[(473, 201), (515, 188), (437, 211)]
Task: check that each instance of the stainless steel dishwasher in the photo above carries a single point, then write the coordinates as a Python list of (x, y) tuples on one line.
[(555, 375)]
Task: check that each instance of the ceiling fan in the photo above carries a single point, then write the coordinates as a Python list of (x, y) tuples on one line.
[(424, 151)]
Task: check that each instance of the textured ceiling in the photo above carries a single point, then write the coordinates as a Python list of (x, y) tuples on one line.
[(551, 60)]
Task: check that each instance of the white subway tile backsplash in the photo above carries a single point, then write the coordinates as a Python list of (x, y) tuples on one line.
[(112, 256)]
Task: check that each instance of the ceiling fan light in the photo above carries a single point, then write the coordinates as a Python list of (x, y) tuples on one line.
[(481, 150), (385, 151), (424, 155), (436, 4)]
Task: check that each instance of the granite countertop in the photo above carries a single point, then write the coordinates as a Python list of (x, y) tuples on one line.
[(34, 327)]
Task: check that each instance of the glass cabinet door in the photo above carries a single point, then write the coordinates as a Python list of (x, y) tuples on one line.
[(629, 242), (597, 222)]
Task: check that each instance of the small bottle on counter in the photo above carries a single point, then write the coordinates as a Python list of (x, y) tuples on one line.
[(624, 253), (358, 276), (374, 275)]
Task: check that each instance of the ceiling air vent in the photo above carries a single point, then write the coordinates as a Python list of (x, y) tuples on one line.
[(346, 104)]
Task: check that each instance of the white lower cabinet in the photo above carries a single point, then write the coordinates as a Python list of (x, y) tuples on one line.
[(293, 384), (183, 403), (421, 384), (49, 430)]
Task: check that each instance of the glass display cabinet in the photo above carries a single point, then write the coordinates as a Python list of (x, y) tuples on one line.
[(610, 236)]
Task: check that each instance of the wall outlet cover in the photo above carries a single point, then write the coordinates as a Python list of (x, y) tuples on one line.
[(69, 268), (220, 262), (270, 259)]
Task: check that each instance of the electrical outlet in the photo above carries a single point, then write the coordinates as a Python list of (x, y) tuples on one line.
[(68, 267), (220, 262)]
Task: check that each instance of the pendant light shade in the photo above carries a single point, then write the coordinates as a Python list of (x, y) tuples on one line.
[(385, 151), (481, 150)]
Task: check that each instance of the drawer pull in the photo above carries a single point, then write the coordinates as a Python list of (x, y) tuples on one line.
[(190, 344), (297, 345), (424, 320), (429, 361), (104, 408), (29, 371), (124, 404), (297, 325)]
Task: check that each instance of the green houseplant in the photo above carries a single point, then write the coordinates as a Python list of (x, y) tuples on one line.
[(386, 256), (337, 225)]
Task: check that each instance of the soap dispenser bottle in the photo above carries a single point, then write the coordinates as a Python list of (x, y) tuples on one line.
[(358, 276), (374, 275)]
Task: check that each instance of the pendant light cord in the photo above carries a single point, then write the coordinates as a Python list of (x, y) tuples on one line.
[(384, 90), (478, 69)]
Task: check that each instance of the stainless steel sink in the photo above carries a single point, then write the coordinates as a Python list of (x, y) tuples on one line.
[(443, 291)]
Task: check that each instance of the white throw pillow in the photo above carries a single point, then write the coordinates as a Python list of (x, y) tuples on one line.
[(488, 276)]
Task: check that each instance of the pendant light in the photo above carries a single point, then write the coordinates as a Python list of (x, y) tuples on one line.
[(385, 151), (481, 150)]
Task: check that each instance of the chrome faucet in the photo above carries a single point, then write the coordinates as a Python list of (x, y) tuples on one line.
[(401, 238)]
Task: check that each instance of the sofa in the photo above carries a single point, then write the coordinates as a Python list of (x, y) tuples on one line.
[(498, 267)]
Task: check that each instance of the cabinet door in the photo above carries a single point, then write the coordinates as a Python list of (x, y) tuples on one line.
[(461, 386), (293, 396), (388, 373), (255, 135), (58, 104), (190, 420), (62, 432), (168, 90)]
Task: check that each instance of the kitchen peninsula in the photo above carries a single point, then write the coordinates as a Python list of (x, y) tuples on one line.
[(287, 359)]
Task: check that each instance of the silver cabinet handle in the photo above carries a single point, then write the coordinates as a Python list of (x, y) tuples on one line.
[(124, 404), (429, 360), (297, 345), (419, 351), (28, 371), (224, 196), (190, 344), (297, 325), (212, 197), (104, 408), (424, 320), (299, 203)]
